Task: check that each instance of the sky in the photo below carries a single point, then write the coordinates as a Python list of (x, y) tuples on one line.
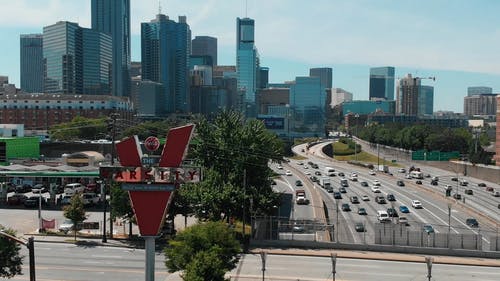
[(456, 41)]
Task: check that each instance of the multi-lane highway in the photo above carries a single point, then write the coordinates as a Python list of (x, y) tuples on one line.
[(442, 213)]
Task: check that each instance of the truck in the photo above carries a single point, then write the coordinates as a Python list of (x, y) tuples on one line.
[(416, 174), (329, 171), (325, 182), (383, 168), (300, 197)]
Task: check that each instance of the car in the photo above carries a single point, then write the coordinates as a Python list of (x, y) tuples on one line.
[(346, 207), (298, 183), (341, 174), (92, 187), (307, 173), (392, 213), (337, 195), (427, 175), (33, 201), (496, 194), (288, 173), (400, 183), (90, 199), (305, 167), (434, 178), (101, 141), (408, 176), (416, 204), (469, 192), (490, 189), (16, 199), (454, 179), (22, 188), (329, 189), (298, 228), (72, 188), (380, 199), (359, 227), (434, 182), (362, 211), (428, 228), (402, 170), (391, 197), (376, 183), (314, 166), (317, 173), (300, 163), (342, 189), (313, 178), (365, 198), (371, 172), (376, 189), (464, 182), (472, 222), (481, 184), (418, 182), (404, 209), (354, 200), (39, 187), (67, 225), (364, 183), (403, 220), (280, 167), (65, 200), (457, 196)]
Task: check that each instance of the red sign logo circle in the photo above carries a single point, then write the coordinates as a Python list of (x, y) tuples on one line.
[(152, 143)]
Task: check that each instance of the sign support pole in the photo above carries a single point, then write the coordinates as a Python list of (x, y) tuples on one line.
[(150, 257)]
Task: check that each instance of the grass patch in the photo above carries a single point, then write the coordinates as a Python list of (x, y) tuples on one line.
[(365, 157)]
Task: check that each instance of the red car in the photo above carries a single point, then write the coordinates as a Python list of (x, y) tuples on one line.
[(16, 199), (489, 188)]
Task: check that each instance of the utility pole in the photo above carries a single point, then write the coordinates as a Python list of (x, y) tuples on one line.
[(428, 261), (113, 117), (244, 200), (449, 222), (31, 248), (337, 221), (263, 256), (334, 265)]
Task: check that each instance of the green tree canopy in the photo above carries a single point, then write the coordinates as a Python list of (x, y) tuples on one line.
[(10, 258), (79, 128), (208, 248), (75, 211)]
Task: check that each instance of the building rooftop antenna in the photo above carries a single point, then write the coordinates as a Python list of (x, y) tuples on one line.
[(159, 7), (246, 8)]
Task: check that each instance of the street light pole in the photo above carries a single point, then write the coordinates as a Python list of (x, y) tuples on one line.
[(334, 265), (449, 223), (337, 221)]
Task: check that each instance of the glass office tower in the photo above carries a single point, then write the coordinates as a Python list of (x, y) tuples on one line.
[(205, 46), (77, 60), (325, 75), (382, 83), (307, 100), (165, 49), (426, 100), (31, 54), (247, 59), (113, 17)]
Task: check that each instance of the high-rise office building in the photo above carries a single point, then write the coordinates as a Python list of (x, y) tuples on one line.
[(165, 49), (205, 46), (407, 95), (338, 96), (307, 101), (478, 90), (482, 104), (497, 143), (426, 100), (77, 60), (113, 17), (247, 59), (382, 83), (325, 75), (263, 77), (31, 54)]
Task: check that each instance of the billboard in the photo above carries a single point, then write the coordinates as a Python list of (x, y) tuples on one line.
[(273, 123)]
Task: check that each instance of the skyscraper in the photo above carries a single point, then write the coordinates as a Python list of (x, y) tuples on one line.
[(426, 100), (407, 95), (324, 74), (77, 60), (482, 104), (31, 63), (478, 90), (113, 17), (497, 143), (307, 100), (247, 59), (382, 83), (165, 49), (205, 46)]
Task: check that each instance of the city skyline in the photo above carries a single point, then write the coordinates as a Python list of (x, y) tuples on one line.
[(348, 37)]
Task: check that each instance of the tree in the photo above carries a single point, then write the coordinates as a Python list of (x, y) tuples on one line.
[(79, 128), (208, 248), (75, 211), (120, 205), (10, 259)]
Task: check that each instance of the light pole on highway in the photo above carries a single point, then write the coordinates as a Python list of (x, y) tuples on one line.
[(337, 221), (263, 256), (449, 223), (334, 265), (428, 261), (355, 145)]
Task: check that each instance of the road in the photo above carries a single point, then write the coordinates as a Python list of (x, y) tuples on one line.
[(481, 205), (68, 262)]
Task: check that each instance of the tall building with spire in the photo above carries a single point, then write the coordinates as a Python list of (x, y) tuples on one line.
[(247, 62), (113, 17), (165, 50)]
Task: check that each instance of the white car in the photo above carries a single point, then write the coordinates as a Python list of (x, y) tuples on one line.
[(288, 173), (416, 204), (365, 198), (376, 189), (376, 183), (308, 173), (402, 170), (280, 167), (408, 176), (371, 172)]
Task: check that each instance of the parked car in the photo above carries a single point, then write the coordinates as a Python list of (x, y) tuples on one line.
[(92, 187), (392, 213), (313, 178), (391, 197), (346, 207), (428, 229), (472, 222), (359, 227), (22, 188), (33, 201), (362, 211), (90, 199), (16, 199), (404, 209), (416, 204), (401, 183), (65, 200), (380, 199), (39, 187), (67, 225), (354, 200), (72, 188)]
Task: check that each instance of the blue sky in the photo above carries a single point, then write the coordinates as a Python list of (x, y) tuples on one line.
[(457, 41)]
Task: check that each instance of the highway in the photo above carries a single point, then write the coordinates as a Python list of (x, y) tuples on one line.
[(481, 205)]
